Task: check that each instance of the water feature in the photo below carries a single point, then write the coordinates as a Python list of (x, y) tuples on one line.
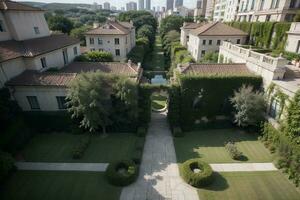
[(158, 80)]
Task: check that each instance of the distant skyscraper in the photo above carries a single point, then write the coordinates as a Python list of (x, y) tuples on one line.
[(163, 9), (158, 9), (153, 8), (131, 6), (170, 4), (106, 6), (122, 8), (113, 8), (178, 3), (141, 4), (100, 7), (148, 4)]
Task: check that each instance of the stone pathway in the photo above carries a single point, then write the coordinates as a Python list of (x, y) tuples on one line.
[(243, 167), (159, 175), (92, 167)]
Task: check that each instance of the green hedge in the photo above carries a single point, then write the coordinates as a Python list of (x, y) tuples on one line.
[(80, 148), (201, 179), (174, 105), (215, 90), (139, 52), (145, 91), (116, 176), (7, 166)]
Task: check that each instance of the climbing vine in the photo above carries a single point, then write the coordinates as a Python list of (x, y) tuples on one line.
[(280, 37), (274, 92)]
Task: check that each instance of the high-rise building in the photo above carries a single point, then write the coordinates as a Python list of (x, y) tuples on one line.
[(154, 8), (122, 8), (158, 9), (148, 4), (170, 5), (141, 4), (199, 4), (178, 3), (163, 9), (210, 5), (113, 8), (106, 6), (131, 6)]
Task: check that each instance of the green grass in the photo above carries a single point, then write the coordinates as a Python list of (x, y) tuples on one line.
[(58, 148), (209, 145), (37, 185), (155, 60), (158, 102), (250, 186)]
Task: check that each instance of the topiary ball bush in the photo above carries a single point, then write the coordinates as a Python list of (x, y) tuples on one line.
[(197, 173), (121, 173)]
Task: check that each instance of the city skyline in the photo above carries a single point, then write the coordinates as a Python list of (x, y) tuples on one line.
[(117, 3)]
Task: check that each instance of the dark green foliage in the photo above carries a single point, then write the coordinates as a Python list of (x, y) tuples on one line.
[(233, 151), (141, 132), (177, 132), (172, 22), (137, 152), (261, 33), (210, 57), (79, 149), (122, 173), (202, 178), (139, 52), (203, 96), (174, 105), (79, 33), (95, 56), (279, 40), (297, 17), (287, 151), (214, 124), (60, 23), (292, 127), (145, 92), (7, 165)]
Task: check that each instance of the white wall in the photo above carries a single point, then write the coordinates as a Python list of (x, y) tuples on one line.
[(293, 39), (22, 23), (6, 35), (46, 97), (10, 69)]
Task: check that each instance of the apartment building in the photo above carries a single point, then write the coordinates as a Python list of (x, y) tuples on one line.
[(115, 37)]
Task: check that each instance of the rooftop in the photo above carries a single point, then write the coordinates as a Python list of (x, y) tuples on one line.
[(7, 5), (215, 69), (63, 77), (217, 29), (192, 25), (112, 28), (30, 48)]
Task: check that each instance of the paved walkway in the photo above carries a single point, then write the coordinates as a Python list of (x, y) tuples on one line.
[(159, 175), (92, 167), (243, 167)]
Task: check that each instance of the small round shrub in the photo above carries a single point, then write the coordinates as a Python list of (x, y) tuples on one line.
[(197, 179), (122, 173)]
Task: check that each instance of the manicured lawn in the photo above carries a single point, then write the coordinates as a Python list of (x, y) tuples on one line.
[(37, 185), (155, 60), (209, 145), (58, 148), (250, 186), (158, 102)]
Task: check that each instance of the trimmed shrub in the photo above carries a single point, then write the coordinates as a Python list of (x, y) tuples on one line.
[(201, 178), (7, 165), (137, 155), (174, 105), (141, 132), (177, 132), (233, 151), (122, 173), (80, 148)]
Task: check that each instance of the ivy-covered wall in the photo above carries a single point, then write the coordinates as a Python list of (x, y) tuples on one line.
[(265, 34), (206, 96)]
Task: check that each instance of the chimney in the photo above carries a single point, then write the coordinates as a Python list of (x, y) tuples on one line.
[(113, 19)]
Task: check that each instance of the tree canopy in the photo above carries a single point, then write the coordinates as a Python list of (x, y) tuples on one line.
[(293, 116), (172, 22), (60, 23)]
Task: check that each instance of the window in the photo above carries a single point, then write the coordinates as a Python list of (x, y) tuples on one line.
[(274, 108), (2, 29), (36, 30), (204, 42), (187, 38), (218, 42), (238, 41), (261, 6), (268, 17), (65, 56), (126, 40), (117, 52), (202, 53), (92, 49), (100, 41), (117, 41), (44, 63), (75, 51), (61, 102), (91, 40), (33, 102), (298, 47), (210, 42)]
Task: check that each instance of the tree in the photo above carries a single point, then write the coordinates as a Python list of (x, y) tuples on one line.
[(99, 56), (292, 126), (297, 17), (148, 32), (89, 100), (172, 22), (79, 33), (210, 57), (60, 23), (249, 106), (7, 165)]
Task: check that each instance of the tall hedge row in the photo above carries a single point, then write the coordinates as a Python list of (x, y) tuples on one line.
[(206, 96), (265, 34), (145, 91)]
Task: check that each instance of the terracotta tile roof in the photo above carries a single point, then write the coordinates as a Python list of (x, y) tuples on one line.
[(215, 69), (192, 25), (29, 48), (34, 78), (11, 5), (217, 29), (111, 28), (108, 67)]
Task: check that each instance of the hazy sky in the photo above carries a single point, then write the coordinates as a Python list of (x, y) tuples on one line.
[(117, 3)]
